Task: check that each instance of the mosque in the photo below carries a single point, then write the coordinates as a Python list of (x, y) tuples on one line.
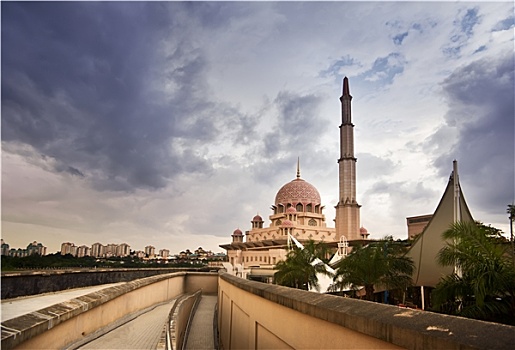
[(298, 211)]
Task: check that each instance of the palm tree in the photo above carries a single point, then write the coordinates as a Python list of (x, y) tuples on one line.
[(378, 263), (301, 266), (483, 285)]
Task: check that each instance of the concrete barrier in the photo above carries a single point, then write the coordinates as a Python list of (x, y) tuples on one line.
[(57, 326), (254, 315), (23, 283)]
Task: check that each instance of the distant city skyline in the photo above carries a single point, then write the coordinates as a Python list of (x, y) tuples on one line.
[(177, 122), (90, 246)]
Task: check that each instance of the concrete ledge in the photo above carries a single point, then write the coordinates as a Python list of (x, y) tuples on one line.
[(20, 329), (23, 283), (406, 328)]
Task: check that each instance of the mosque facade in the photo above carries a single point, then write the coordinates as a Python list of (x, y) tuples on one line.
[(298, 211)]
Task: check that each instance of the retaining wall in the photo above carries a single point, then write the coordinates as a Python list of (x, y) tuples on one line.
[(255, 315), (62, 324), (16, 284)]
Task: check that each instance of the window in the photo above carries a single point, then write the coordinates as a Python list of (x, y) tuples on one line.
[(312, 222), (299, 208)]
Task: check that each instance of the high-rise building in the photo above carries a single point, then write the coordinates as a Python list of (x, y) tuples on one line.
[(123, 250), (5, 248), (36, 248), (97, 250), (83, 251), (164, 253), (150, 251), (68, 248)]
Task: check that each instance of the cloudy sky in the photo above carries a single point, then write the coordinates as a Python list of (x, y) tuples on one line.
[(174, 123)]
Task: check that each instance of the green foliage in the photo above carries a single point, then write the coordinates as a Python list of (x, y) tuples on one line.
[(380, 263), (483, 284), (299, 269), (58, 261)]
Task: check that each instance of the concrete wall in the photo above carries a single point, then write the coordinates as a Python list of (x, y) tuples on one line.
[(254, 315), (16, 284), (62, 324), (186, 308)]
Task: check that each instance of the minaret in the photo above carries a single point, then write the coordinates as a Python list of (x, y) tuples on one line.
[(347, 210)]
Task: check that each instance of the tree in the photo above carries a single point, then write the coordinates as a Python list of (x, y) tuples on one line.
[(483, 284), (300, 268), (378, 263)]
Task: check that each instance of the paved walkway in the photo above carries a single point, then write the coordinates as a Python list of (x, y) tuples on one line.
[(15, 307), (201, 335), (139, 331), (142, 332)]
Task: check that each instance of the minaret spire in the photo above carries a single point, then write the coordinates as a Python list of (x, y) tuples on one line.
[(347, 210), (298, 167), (346, 91)]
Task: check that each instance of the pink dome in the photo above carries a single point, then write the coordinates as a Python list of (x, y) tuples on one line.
[(257, 218), (297, 191), (363, 231), (287, 223), (291, 210), (237, 232)]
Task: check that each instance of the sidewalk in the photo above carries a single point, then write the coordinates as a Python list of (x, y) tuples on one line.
[(142, 332), (201, 334), (12, 308)]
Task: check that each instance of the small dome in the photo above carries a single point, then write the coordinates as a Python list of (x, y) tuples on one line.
[(257, 218), (291, 210), (287, 223), (237, 232), (363, 231)]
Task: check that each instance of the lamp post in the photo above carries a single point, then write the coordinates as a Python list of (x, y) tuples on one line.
[(511, 212)]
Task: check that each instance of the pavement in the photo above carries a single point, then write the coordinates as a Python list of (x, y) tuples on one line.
[(12, 308), (138, 331), (201, 334), (142, 332)]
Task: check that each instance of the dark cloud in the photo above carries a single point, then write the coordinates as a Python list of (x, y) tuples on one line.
[(480, 97), (79, 85), (370, 166), (295, 132)]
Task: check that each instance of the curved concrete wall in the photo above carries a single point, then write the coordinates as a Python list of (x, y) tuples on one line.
[(254, 315), (62, 324)]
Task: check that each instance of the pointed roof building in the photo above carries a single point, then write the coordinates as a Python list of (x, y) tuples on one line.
[(424, 250)]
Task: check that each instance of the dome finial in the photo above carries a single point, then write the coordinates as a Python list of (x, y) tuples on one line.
[(298, 167)]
